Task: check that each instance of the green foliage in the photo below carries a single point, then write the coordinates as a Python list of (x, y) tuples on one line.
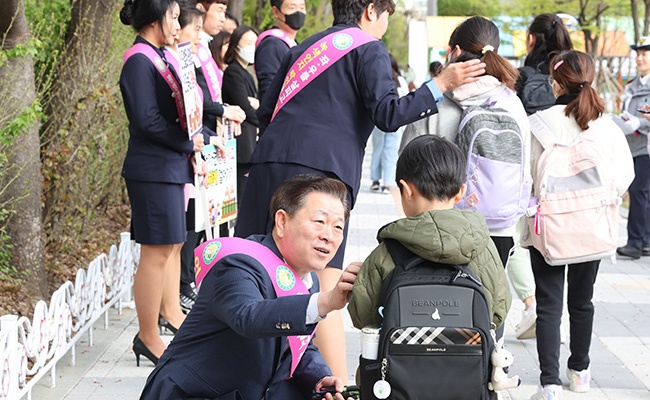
[(397, 38), (8, 271), (29, 115), (29, 48), (486, 8)]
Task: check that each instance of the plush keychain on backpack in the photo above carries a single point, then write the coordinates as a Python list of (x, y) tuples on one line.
[(501, 360)]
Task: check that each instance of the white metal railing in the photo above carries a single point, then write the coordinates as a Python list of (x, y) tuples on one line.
[(31, 349)]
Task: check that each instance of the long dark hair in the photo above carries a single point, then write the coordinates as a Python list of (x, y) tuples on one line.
[(551, 37), (216, 45), (472, 36), (574, 71), (234, 42), (139, 14)]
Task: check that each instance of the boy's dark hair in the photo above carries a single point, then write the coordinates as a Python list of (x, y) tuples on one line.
[(349, 12), (434, 165), (292, 194)]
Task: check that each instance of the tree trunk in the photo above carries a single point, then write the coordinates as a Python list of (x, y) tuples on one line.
[(646, 21), (634, 6), (23, 192), (236, 8), (72, 107)]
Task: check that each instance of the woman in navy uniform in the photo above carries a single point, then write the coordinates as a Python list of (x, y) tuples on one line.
[(158, 163), (324, 129)]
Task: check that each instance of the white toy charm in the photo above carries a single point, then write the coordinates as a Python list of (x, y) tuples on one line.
[(501, 360)]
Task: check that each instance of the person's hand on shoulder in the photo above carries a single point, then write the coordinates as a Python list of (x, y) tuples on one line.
[(457, 74), (337, 298)]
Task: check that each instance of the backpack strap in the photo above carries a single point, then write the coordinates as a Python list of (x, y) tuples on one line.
[(542, 131)]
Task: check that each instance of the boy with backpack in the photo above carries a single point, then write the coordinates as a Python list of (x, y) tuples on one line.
[(431, 178)]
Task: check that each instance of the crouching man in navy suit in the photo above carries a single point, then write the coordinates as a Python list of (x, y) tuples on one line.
[(249, 335)]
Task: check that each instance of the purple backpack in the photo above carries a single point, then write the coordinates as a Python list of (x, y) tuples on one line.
[(498, 184)]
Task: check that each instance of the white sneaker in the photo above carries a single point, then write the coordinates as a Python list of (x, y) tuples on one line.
[(548, 392), (578, 380), (526, 328)]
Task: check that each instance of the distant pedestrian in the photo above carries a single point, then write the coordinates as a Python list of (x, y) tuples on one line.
[(636, 129), (385, 144)]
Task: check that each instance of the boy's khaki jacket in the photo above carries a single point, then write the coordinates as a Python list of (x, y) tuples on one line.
[(445, 236)]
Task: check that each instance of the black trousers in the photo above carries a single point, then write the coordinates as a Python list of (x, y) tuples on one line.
[(549, 291), (638, 222)]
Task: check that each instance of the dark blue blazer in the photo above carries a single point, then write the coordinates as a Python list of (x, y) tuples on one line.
[(326, 125), (158, 147), (268, 60), (233, 338)]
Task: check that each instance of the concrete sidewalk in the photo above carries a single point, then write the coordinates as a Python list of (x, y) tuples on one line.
[(620, 350)]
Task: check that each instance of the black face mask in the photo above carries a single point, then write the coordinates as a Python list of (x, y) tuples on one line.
[(295, 20)]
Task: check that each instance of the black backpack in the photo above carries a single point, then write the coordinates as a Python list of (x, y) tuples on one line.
[(536, 94), (435, 340)]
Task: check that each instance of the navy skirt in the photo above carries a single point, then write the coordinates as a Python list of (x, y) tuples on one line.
[(157, 212)]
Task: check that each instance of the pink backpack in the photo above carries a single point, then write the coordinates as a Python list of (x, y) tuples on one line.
[(576, 215)]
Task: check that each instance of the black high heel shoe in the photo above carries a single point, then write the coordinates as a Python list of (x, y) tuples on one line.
[(139, 348), (163, 323)]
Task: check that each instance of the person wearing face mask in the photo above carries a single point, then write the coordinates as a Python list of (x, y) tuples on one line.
[(273, 44), (239, 90)]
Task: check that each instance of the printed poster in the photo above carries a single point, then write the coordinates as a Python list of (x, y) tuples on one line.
[(191, 97), (219, 199)]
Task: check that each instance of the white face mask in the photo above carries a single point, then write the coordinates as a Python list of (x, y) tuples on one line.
[(247, 53)]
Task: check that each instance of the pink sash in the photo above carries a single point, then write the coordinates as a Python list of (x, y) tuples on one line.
[(168, 76), (213, 75), (317, 59), (285, 280), (278, 33)]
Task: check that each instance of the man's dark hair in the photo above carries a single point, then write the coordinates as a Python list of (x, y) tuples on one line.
[(292, 194), (349, 12), (277, 3), (434, 165), (189, 13), (232, 17)]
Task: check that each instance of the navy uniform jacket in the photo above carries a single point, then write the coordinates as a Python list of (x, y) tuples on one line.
[(158, 147), (268, 60), (326, 125), (238, 85), (233, 338)]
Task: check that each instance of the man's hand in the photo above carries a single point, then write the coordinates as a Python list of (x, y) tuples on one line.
[(329, 382), (457, 74), (234, 113), (337, 298)]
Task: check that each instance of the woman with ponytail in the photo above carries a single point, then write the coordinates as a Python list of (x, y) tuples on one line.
[(577, 111), (477, 38), (157, 165), (546, 37)]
